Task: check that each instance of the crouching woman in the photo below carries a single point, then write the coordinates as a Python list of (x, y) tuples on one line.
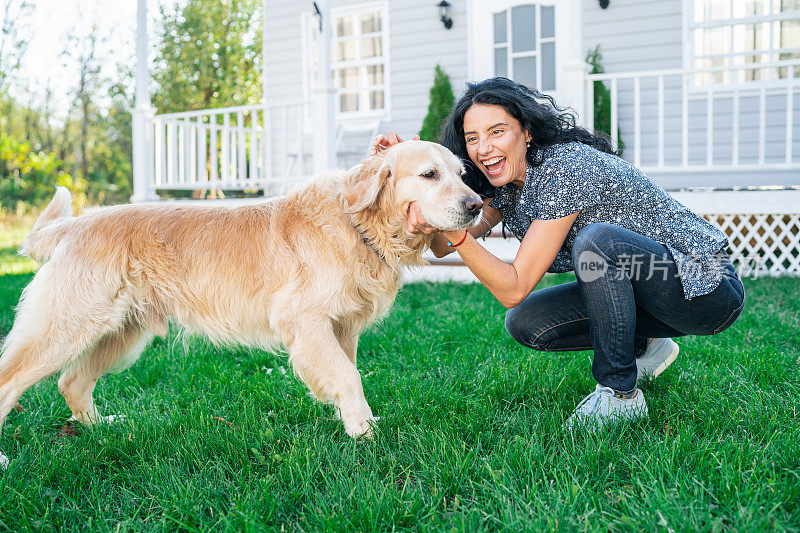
[(647, 268)]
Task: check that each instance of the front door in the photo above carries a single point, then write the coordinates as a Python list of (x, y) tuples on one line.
[(522, 40)]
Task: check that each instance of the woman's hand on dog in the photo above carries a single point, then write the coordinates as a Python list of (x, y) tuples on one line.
[(416, 223), (382, 142)]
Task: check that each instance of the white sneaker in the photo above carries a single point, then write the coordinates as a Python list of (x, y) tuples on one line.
[(3, 462), (659, 355), (602, 406)]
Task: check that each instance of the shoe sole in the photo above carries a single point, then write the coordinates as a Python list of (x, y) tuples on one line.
[(668, 361)]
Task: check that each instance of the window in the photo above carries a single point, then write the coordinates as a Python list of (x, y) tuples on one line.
[(525, 45), (739, 33), (359, 44)]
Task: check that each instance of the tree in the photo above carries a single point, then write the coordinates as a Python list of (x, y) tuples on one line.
[(15, 36), (109, 180), (87, 149), (208, 55), (84, 49), (442, 100)]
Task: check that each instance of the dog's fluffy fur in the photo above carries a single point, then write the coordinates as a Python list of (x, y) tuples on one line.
[(309, 271)]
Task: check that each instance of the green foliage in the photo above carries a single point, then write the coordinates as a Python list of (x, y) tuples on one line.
[(442, 100), (110, 175), (106, 176), (29, 178), (602, 97), (208, 55)]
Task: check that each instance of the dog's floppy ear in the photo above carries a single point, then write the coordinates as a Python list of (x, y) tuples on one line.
[(365, 183)]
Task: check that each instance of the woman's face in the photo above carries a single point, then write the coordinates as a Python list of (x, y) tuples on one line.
[(496, 144)]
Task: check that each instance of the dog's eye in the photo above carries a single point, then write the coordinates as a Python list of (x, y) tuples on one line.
[(430, 174)]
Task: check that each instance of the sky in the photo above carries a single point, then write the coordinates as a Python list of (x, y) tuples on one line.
[(52, 21)]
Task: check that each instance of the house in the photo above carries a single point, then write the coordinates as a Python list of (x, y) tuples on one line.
[(701, 95)]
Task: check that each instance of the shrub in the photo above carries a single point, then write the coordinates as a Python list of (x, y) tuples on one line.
[(442, 100)]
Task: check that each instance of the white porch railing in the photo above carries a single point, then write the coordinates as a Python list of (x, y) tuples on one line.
[(735, 119), (253, 147)]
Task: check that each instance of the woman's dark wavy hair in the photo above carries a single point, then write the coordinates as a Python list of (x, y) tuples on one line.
[(538, 113)]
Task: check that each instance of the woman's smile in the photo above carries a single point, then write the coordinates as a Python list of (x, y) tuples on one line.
[(495, 165)]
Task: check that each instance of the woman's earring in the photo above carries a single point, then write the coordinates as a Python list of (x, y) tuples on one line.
[(528, 144)]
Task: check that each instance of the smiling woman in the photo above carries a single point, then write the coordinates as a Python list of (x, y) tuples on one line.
[(653, 269)]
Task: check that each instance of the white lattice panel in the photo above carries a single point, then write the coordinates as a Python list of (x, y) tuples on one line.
[(763, 226), (763, 244)]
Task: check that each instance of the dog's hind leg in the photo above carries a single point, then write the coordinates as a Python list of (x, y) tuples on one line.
[(26, 361), (20, 368), (320, 362), (55, 325), (115, 351)]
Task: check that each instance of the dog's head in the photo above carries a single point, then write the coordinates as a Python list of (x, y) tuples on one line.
[(420, 172)]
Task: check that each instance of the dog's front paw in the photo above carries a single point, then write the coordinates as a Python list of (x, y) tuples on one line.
[(358, 419), (3, 462), (88, 420), (363, 428)]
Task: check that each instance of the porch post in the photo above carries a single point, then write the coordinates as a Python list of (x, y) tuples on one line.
[(575, 70), (323, 99), (265, 142), (143, 172)]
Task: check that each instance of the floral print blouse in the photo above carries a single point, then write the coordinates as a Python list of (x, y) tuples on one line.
[(605, 188)]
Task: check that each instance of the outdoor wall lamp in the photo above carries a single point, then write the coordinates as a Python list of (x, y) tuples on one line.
[(604, 3), (318, 14), (444, 14)]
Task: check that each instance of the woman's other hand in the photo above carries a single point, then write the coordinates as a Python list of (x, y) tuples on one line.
[(382, 142), (416, 223)]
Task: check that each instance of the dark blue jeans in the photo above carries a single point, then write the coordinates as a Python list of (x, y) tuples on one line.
[(615, 313)]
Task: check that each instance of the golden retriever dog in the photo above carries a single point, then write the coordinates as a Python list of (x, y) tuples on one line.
[(309, 271)]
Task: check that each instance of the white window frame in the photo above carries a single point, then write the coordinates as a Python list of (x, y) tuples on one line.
[(537, 51), (767, 76), (309, 20)]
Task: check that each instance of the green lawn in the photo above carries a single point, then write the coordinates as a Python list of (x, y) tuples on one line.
[(470, 434)]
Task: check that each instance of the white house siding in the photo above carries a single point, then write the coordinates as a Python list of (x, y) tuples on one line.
[(635, 34), (642, 35), (284, 50), (284, 82), (417, 43)]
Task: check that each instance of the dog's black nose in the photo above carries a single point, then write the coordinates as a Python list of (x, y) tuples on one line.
[(473, 205)]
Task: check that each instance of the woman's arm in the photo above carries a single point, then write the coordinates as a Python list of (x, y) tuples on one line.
[(512, 283), (490, 218)]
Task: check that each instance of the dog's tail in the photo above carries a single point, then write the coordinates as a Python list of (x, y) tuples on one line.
[(40, 242)]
